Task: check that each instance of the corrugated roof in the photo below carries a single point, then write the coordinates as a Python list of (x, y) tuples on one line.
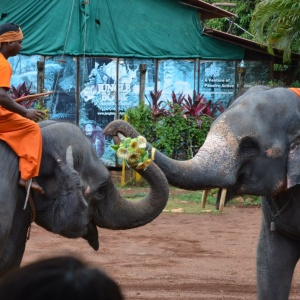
[(208, 11), (255, 50)]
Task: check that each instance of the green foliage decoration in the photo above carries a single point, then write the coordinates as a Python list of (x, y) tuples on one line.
[(133, 152)]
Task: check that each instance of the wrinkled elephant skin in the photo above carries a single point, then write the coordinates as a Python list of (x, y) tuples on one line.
[(252, 148), (79, 194)]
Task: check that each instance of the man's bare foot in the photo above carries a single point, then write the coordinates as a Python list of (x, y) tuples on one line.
[(34, 185)]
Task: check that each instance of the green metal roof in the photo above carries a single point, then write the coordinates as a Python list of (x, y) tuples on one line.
[(115, 28)]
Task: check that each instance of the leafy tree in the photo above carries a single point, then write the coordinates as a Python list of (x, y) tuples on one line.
[(276, 23), (243, 9), (273, 23)]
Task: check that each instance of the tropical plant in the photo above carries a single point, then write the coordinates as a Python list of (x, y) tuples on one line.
[(20, 91), (178, 137), (199, 106), (276, 23), (176, 100), (157, 107), (174, 132)]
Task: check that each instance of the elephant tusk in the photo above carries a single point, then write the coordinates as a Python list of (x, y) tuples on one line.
[(222, 200), (152, 153), (87, 191), (69, 157), (121, 136)]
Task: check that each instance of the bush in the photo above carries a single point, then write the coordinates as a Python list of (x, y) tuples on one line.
[(141, 119), (176, 134)]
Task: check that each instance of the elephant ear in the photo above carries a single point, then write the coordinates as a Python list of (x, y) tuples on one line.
[(70, 211), (293, 166)]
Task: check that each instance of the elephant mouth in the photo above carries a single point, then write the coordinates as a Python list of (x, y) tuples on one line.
[(69, 233), (245, 185)]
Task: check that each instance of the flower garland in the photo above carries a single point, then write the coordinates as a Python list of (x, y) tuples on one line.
[(133, 152)]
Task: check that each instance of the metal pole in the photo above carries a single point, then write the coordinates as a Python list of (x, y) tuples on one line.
[(143, 70), (242, 73), (117, 91)]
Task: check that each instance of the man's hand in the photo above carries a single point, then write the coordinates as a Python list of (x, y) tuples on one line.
[(8, 103), (34, 114)]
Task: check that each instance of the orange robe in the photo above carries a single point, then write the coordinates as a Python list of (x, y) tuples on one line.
[(21, 134)]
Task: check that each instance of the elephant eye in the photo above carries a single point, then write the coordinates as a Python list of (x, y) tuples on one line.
[(249, 146), (101, 192)]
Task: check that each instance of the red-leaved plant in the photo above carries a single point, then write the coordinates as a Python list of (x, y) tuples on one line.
[(157, 109), (199, 106), (20, 91)]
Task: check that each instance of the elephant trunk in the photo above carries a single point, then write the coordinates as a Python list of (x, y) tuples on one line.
[(212, 166), (196, 173), (115, 212)]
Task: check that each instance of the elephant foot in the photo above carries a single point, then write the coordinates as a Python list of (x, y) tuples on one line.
[(34, 185), (92, 236)]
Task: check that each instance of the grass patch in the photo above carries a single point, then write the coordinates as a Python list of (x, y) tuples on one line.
[(180, 201), (189, 202), (183, 200)]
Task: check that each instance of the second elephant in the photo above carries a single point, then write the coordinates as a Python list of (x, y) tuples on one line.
[(252, 148)]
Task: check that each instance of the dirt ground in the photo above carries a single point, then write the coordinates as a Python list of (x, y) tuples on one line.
[(177, 256)]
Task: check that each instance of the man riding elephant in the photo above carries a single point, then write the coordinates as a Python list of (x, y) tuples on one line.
[(17, 126)]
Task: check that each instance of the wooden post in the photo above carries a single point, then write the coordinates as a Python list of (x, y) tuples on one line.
[(138, 179), (143, 70), (40, 80), (123, 174)]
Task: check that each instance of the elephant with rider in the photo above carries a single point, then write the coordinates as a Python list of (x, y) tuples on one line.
[(79, 194)]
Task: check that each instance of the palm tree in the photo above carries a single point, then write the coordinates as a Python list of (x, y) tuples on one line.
[(276, 24)]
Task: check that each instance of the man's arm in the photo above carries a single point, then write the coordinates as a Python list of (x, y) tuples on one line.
[(8, 103)]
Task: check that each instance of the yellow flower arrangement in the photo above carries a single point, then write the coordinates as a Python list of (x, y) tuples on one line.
[(133, 151)]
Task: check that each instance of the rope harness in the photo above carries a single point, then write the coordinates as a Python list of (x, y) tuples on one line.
[(273, 215), (32, 211), (274, 212)]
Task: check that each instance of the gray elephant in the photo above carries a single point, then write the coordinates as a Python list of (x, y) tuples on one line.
[(252, 148), (79, 194)]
